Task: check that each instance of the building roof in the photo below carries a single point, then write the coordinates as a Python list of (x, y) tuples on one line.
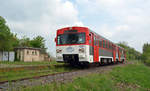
[(42, 50)]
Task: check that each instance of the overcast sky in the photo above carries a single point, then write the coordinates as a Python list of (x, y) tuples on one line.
[(117, 20)]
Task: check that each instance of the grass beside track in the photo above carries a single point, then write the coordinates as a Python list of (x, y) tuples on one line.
[(133, 77), (20, 73), (16, 75), (28, 63)]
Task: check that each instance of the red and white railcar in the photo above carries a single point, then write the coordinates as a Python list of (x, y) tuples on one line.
[(80, 45)]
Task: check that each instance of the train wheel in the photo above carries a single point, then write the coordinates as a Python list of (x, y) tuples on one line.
[(107, 60), (110, 61), (117, 61), (122, 61), (102, 61)]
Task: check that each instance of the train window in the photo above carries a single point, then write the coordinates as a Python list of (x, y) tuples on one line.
[(71, 38), (103, 43), (111, 46), (97, 43), (106, 44), (90, 41), (119, 50), (94, 40), (100, 43), (58, 40), (89, 34)]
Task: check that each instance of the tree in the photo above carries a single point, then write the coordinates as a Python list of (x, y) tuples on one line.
[(146, 52), (24, 42), (7, 39), (38, 42)]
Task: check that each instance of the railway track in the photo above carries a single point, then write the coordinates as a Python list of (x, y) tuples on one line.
[(57, 77), (20, 68)]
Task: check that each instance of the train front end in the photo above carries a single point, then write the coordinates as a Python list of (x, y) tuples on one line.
[(72, 45)]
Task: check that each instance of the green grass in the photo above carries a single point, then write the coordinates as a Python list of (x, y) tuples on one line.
[(89, 83), (24, 73), (133, 77)]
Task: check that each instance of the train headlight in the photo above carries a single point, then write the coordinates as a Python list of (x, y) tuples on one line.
[(58, 50), (81, 50), (81, 56)]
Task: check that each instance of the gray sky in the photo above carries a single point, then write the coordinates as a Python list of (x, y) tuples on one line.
[(117, 20)]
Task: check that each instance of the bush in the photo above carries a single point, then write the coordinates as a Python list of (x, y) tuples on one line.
[(147, 62)]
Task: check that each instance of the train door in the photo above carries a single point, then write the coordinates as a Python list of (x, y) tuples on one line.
[(96, 49), (119, 51), (92, 45), (114, 53)]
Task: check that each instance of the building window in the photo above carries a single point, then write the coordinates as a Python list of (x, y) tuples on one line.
[(32, 52), (27, 52), (35, 53)]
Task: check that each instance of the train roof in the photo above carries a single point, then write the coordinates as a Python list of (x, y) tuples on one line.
[(105, 38), (73, 27)]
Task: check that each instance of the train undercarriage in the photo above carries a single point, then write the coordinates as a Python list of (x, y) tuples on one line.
[(73, 60)]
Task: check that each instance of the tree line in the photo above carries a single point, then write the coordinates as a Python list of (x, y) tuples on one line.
[(146, 53), (132, 54)]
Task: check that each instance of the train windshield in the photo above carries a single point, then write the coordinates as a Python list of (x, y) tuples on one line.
[(71, 38)]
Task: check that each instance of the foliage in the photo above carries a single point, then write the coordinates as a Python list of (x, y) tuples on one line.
[(7, 39), (37, 42), (131, 53), (146, 53), (24, 42), (133, 77)]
